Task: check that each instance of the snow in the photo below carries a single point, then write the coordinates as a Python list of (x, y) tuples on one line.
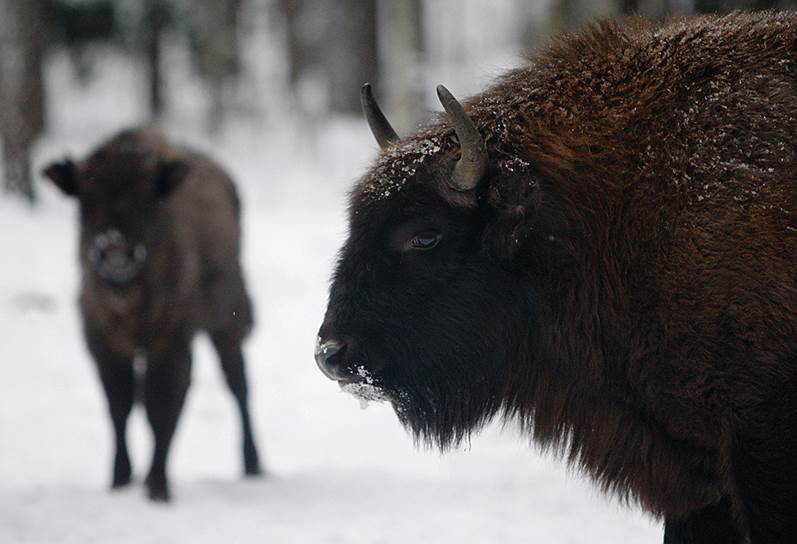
[(365, 391), (336, 474)]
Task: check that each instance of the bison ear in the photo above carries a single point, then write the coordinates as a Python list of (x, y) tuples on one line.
[(64, 175), (170, 174), (515, 199)]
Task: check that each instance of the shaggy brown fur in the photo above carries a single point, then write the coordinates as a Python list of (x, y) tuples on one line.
[(181, 213), (641, 211)]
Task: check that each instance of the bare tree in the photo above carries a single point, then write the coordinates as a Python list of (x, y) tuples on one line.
[(216, 27), (568, 15), (331, 45), (154, 21), (722, 6), (400, 56), (299, 48), (21, 89), (350, 57)]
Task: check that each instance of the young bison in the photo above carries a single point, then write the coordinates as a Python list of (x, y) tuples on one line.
[(603, 246), (159, 251)]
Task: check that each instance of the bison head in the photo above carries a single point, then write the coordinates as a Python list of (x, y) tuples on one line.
[(426, 303), (120, 188)]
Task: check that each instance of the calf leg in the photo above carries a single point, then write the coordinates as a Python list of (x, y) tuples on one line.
[(228, 346), (711, 525), (118, 382), (167, 380)]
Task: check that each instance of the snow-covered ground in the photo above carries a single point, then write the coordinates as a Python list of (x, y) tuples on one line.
[(337, 473)]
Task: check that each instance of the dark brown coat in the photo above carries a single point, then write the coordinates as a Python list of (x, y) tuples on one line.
[(160, 254), (623, 280)]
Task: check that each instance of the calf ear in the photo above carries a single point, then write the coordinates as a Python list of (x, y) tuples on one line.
[(170, 175), (64, 175)]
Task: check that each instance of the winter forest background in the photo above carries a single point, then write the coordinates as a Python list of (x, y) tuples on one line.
[(270, 88)]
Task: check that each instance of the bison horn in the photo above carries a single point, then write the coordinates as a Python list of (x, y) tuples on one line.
[(380, 126), (473, 160)]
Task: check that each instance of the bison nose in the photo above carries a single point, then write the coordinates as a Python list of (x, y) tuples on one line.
[(329, 357)]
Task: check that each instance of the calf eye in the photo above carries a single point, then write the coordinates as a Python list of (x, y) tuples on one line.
[(424, 240)]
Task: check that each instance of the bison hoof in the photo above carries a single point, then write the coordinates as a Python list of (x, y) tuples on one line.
[(120, 482), (158, 490), (251, 459), (159, 493), (121, 476)]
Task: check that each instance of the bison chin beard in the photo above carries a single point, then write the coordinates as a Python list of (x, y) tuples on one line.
[(448, 388), (444, 418), (440, 409)]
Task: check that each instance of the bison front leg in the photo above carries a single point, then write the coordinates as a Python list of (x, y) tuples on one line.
[(167, 380), (711, 525), (228, 346), (118, 382)]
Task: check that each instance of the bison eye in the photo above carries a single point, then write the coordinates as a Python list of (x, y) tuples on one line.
[(424, 240)]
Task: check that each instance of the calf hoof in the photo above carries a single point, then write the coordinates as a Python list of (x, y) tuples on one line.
[(158, 494), (251, 461), (158, 490), (121, 475), (120, 481)]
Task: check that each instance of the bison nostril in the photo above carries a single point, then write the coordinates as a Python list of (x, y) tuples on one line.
[(329, 357)]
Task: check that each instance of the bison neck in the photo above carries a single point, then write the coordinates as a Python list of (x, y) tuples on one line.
[(590, 396)]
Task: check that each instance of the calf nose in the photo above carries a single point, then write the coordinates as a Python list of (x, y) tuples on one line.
[(329, 358)]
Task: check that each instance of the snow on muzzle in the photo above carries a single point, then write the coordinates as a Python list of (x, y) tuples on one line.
[(353, 379)]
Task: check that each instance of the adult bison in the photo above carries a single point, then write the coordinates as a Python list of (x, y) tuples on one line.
[(603, 246), (159, 251)]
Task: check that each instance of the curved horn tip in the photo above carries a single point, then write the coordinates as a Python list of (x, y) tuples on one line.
[(443, 93), (380, 126), (366, 91)]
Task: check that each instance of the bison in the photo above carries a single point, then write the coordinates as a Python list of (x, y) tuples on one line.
[(159, 253), (601, 246)]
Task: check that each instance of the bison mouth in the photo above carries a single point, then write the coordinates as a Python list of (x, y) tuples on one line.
[(119, 270), (333, 359), (363, 387), (119, 274)]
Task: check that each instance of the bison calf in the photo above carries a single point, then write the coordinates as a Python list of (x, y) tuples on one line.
[(159, 252), (603, 246)]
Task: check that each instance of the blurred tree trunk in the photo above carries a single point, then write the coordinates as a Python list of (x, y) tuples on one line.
[(154, 21), (709, 6), (659, 9), (567, 15), (350, 55), (400, 54), (216, 27), (299, 50), (724, 6), (22, 115), (766, 4)]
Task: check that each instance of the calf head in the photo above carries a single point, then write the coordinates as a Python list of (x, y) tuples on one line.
[(121, 187), (425, 303)]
